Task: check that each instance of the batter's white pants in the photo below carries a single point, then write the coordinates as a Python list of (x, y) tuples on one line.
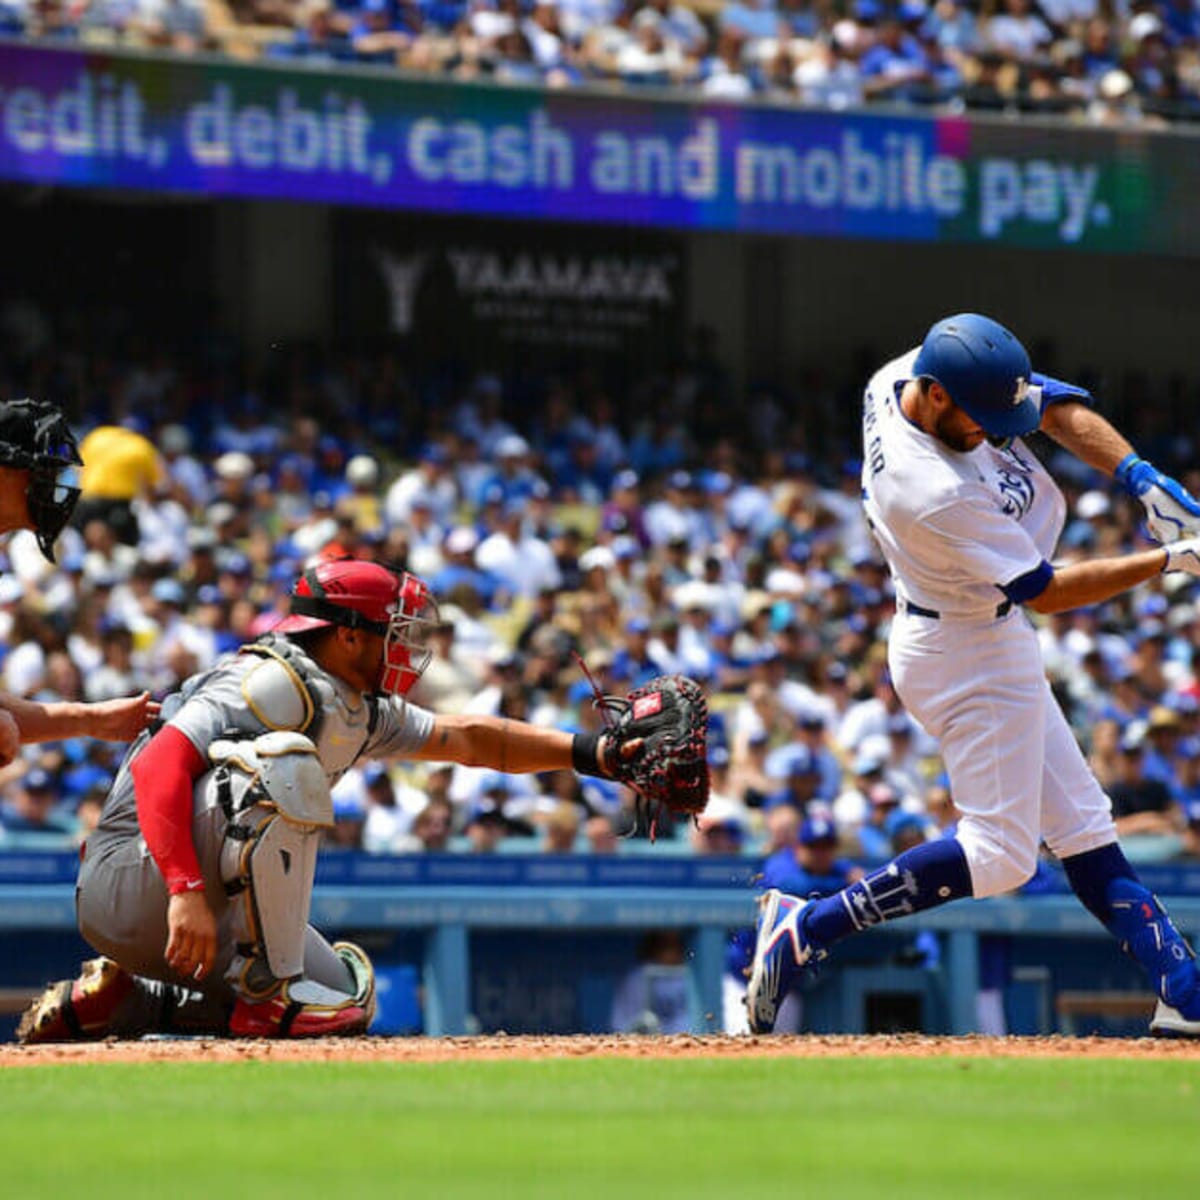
[(1017, 774)]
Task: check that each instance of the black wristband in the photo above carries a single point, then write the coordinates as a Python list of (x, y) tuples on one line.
[(585, 757)]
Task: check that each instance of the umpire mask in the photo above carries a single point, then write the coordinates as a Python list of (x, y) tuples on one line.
[(34, 436)]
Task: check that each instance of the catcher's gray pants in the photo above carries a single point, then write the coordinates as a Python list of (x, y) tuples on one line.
[(121, 902)]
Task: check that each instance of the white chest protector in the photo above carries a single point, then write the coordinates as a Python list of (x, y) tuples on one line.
[(287, 690)]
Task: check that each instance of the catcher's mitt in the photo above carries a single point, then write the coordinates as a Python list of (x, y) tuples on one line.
[(669, 716)]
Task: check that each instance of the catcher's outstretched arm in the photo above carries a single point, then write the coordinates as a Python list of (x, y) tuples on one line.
[(515, 747)]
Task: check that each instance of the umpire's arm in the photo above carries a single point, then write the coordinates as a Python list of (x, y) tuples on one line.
[(119, 720)]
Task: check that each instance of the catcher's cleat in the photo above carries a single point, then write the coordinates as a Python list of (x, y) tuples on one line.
[(77, 1010), (1170, 1022), (300, 1009), (361, 968), (780, 952)]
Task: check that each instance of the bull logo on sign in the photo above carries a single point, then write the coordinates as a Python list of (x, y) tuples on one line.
[(402, 276)]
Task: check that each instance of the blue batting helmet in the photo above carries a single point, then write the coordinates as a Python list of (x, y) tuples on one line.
[(984, 369)]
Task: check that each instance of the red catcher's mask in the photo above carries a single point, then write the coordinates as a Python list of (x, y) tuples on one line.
[(365, 595)]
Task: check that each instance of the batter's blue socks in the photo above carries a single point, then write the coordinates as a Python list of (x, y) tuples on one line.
[(1090, 875), (1110, 889), (926, 876)]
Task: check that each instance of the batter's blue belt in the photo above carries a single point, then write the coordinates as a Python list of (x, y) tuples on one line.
[(917, 610)]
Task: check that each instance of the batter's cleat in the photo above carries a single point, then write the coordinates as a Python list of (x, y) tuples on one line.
[(1170, 1022), (77, 1010), (360, 967), (781, 951), (300, 1009)]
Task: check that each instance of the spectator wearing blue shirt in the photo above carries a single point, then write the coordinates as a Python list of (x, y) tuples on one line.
[(513, 59), (952, 25), (1140, 805), (1158, 746), (459, 569), (722, 828), (800, 18), (670, 517), (1100, 53), (632, 663), (1124, 702), (95, 767), (578, 17), (1148, 659), (32, 807), (13, 14), (441, 15), (801, 782), (812, 867), (1182, 21), (906, 830), (753, 18), (944, 76), (813, 731), (1187, 794), (381, 29), (580, 475), (546, 37), (330, 467), (1187, 777), (622, 513), (1150, 61), (875, 833), (730, 672), (317, 39), (895, 65), (512, 479)]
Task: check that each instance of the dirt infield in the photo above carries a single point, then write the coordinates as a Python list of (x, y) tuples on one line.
[(480, 1049)]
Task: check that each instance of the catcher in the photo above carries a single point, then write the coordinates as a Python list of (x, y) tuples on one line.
[(195, 887)]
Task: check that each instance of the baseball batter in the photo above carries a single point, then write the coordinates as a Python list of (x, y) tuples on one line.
[(196, 885), (968, 519)]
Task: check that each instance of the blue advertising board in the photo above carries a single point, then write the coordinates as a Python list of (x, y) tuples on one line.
[(371, 138)]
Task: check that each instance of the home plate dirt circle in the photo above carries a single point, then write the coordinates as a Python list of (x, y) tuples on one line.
[(500, 1047)]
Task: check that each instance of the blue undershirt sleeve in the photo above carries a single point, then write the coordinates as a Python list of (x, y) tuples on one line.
[(1053, 391), (1026, 587)]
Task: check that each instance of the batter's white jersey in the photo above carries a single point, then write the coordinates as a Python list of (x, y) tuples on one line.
[(963, 532), (954, 527)]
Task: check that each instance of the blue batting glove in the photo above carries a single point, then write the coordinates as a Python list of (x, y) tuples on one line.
[(1136, 475), (1172, 512), (1054, 390)]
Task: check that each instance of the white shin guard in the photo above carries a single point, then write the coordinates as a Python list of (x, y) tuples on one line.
[(276, 799), (268, 865)]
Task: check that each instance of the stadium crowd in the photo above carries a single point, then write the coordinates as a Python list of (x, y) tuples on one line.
[(655, 529), (1116, 62)]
